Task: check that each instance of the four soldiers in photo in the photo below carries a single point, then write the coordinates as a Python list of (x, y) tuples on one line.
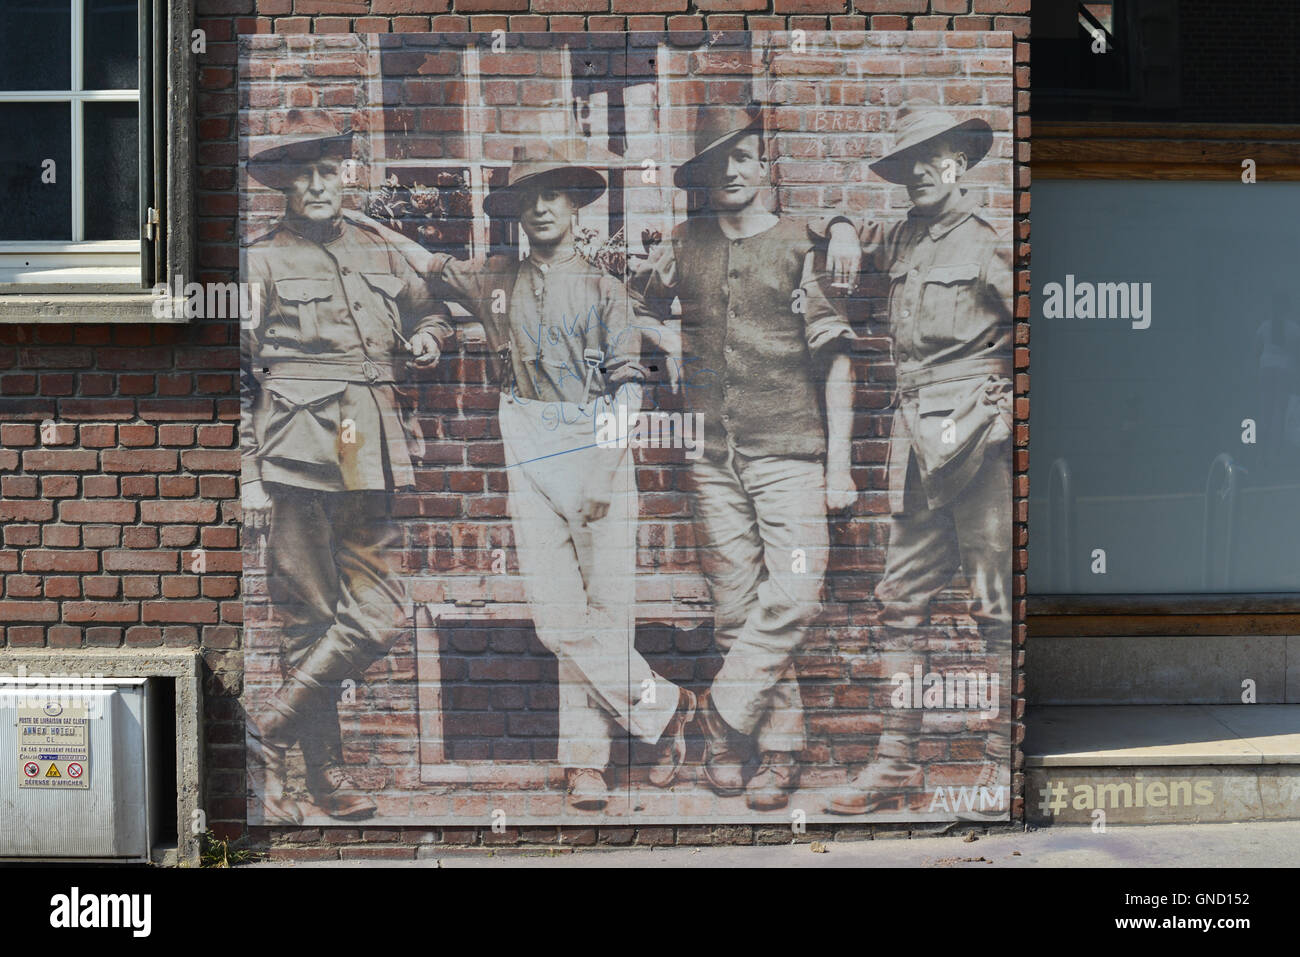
[(327, 441)]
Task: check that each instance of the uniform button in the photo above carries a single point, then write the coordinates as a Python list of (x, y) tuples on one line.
[(731, 348), (356, 305), (734, 274), (906, 313), (346, 271)]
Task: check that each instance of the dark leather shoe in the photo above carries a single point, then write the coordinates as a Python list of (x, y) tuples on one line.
[(587, 790), (770, 787), (725, 752), (335, 793), (672, 743), (875, 785)]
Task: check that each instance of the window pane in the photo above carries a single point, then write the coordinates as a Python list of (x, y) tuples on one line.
[(34, 133), (112, 41), (112, 165), (36, 45), (1173, 449)]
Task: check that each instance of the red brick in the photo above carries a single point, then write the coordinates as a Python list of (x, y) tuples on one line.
[(140, 537), (1001, 6), (101, 586), (191, 512), (178, 536), (25, 636), (60, 586), (127, 561), (20, 486), (23, 586), (41, 560), (135, 436), (140, 460), (29, 611), (134, 586), (379, 7), (196, 612), (220, 536), (177, 486), (99, 486), (101, 611), (18, 536), (16, 436), (101, 536), (139, 486), (59, 486), (180, 586), (61, 536), (98, 436), (205, 460), (121, 513), (218, 486), (144, 636), (64, 460), (216, 436)]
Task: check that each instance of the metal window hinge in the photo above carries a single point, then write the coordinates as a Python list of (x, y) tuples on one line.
[(151, 222)]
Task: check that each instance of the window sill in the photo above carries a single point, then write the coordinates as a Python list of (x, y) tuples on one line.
[(107, 304)]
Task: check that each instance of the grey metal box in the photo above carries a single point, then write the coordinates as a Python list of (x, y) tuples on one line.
[(115, 817)]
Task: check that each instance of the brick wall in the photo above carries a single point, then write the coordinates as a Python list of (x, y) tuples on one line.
[(136, 465)]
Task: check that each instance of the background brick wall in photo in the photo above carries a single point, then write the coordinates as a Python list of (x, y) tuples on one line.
[(93, 574)]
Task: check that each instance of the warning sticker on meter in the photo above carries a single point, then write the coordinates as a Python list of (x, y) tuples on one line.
[(53, 745)]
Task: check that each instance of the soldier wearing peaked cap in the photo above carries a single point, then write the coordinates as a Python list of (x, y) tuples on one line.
[(325, 441), (950, 318)]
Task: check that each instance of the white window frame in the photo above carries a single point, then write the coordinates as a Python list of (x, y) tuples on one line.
[(169, 55), (74, 260)]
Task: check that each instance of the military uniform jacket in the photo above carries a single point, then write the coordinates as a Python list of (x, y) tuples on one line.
[(950, 318), (321, 410)]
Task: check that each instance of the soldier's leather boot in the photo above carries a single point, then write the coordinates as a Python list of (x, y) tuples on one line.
[(334, 792), (269, 739), (725, 751), (332, 789), (672, 742), (777, 775)]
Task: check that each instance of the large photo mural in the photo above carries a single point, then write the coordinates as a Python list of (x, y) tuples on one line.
[(627, 427)]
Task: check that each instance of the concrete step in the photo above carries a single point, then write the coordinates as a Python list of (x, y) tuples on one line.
[(1162, 764)]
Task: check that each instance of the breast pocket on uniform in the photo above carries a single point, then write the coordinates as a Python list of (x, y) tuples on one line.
[(298, 300), (947, 298), (389, 287)]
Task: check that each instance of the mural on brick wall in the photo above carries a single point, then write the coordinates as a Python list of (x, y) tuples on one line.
[(627, 427)]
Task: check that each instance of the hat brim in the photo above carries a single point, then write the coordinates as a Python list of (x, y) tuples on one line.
[(278, 165), (688, 175), (585, 183), (978, 140)]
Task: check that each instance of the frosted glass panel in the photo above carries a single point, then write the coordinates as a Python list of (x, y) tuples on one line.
[(1166, 459)]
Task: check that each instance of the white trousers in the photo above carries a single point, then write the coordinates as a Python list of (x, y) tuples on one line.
[(581, 578)]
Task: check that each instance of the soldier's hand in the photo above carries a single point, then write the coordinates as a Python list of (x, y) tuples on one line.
[(594, 506), (424, 346), (844, 255), (841, 492), (257, 505)]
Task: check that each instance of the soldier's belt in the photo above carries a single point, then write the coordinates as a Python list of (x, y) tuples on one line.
[(951, 371), (368, 371)]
